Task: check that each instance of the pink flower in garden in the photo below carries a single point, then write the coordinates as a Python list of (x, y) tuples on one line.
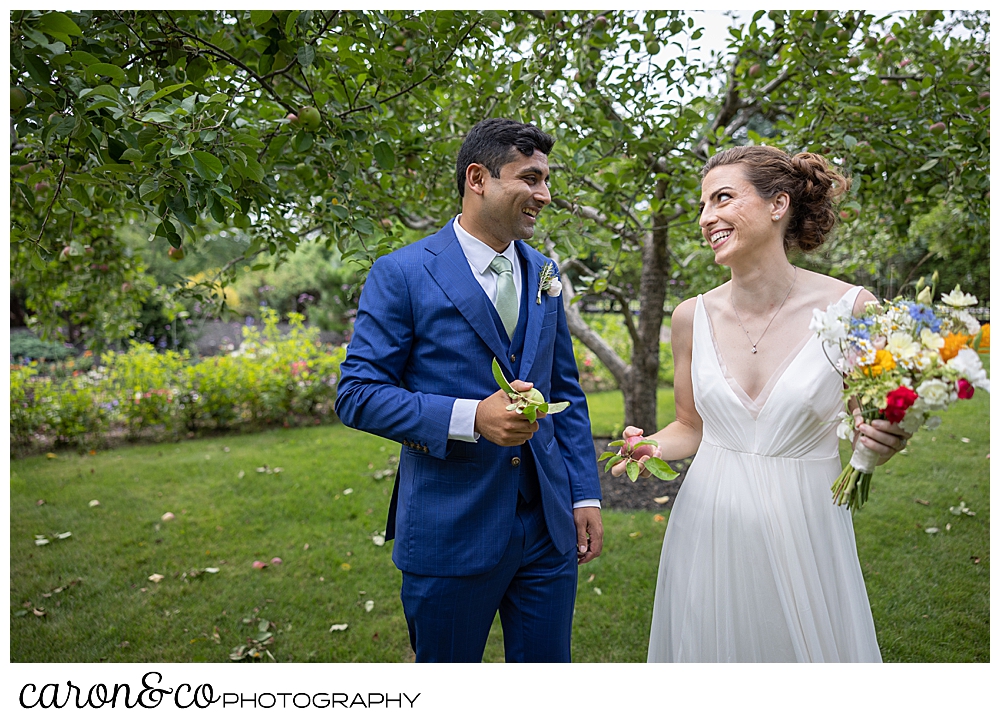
[(258, 565)]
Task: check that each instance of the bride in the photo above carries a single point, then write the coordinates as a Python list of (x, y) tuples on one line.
[(758, 564)]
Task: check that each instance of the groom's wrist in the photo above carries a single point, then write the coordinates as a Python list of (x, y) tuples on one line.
[(587, 503)]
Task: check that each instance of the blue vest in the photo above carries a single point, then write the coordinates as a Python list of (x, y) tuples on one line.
[(527, 483)]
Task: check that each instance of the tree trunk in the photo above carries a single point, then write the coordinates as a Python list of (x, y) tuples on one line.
[(639, 387), (637, 380)]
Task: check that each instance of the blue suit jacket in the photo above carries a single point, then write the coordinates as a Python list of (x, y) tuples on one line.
[(423, 337)]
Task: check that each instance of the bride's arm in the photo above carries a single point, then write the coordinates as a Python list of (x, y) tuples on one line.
[(881, 436), (680, 438)]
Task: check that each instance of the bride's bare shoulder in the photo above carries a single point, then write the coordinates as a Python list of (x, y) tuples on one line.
[(826, 290), (682, 319)]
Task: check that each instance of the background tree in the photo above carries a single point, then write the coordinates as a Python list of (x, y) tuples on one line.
[(343, 127)]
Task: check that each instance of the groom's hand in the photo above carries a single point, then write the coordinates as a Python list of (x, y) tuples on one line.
[(589, 533), (503, 427)]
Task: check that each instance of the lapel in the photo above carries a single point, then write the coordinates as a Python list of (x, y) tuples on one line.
[(534, 312), (450, 269)]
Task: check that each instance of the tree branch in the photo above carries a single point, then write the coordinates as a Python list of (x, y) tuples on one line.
[(220, 53), (581, 330), (410, 87)]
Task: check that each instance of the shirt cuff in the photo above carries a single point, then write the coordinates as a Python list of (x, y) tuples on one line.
[(587, 503), (463, 420)]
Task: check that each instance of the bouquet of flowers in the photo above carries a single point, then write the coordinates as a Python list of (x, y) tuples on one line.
[(901, 362)]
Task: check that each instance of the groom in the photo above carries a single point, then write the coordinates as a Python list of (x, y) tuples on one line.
[(489, 511)]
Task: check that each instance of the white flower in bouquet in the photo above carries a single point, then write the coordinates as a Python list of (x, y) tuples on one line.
[(897, 318), (934, 393), (915, 417), (931, 340), (902, 347), (968, 320), (844, 429), (958, 298), (969, 366), (829, 323)]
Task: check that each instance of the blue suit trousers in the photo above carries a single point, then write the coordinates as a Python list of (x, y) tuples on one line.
[(533, 587)]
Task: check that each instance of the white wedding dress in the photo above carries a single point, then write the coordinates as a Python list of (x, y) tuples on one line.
[(758, 564)]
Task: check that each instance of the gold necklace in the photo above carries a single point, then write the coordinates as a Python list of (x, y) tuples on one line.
[(753, 344)]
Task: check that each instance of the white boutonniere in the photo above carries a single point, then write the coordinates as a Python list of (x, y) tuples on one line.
[(548, 282)]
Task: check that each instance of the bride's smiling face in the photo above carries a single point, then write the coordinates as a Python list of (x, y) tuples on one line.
[(735, 220)]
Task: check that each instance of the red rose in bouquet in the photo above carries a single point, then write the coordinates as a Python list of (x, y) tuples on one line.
[(897, 402), (965, 390)]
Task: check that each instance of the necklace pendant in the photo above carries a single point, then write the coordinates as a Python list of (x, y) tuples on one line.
[(754, 350)]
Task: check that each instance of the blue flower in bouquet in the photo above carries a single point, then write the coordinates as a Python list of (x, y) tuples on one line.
[(924, 317), (859, 328)]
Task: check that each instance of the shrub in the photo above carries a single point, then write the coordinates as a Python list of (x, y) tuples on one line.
[(25, 413), (26, 347), (271, 378)]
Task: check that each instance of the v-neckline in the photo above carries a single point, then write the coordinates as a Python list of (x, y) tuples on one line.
[(753, 406)]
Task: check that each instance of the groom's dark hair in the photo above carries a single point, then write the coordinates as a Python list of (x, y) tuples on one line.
[(491, 143)]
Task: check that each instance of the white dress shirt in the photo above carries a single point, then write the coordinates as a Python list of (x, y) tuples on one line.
[(479, 255)]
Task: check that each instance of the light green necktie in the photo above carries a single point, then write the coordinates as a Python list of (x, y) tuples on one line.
[(507, 304)]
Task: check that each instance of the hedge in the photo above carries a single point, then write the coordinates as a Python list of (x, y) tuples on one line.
[(270, 379)]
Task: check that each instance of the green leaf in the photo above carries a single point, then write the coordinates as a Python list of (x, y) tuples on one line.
[(111, 71), (531, 412), (632, 470), (616, 443), (612, 462), (259, 17), (605, 456), (929, 165), (363, 226), (302, 141), (658, 468), (255, 170), (59, 26), (164, 92), (305, 55), (131, 154), (501, 380), (340, 212), (384, 155), (206, 165), (37, 262), (556, 407)]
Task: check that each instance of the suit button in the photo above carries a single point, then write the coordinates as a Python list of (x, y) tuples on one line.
[(515, 462), (513, 357)]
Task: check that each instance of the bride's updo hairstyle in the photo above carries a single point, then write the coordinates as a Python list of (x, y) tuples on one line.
[(812, 187)]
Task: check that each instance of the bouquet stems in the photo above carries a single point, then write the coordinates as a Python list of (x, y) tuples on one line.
[(852, 485)]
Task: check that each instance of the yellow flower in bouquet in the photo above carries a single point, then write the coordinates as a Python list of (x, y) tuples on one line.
[(984, 344), (883, 363), (952, 344)]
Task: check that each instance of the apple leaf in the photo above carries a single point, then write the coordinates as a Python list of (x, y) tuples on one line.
[(501, 380), (632, 470), (658, 468), (555, 407)]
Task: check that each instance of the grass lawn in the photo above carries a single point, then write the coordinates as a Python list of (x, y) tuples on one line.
[(607, 410), (929, 595)]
